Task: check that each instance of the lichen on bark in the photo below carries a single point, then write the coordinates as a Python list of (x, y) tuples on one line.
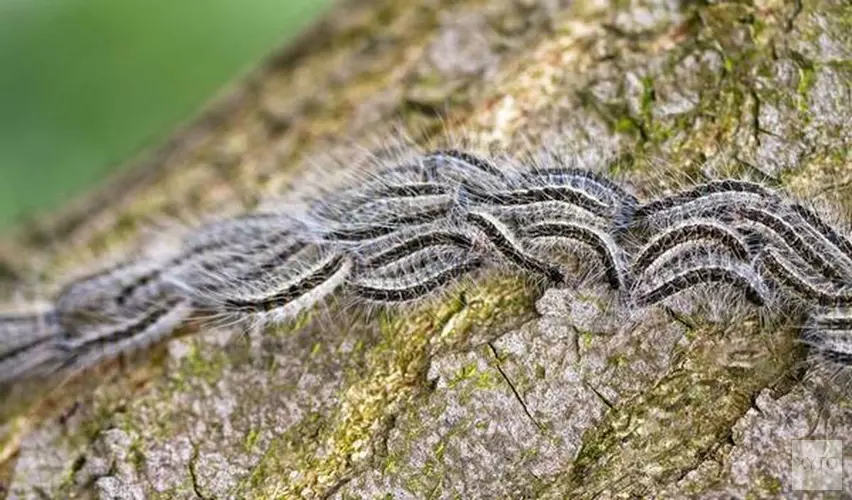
[(496, 389)]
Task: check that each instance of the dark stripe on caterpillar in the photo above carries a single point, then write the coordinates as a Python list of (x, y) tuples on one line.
[(418, 289), (500, 237), (524, 196), (690, 231), (289, 293), (600, 242), (702, 190), (791, 278), (417, 243), (366, 232), (739, 277)]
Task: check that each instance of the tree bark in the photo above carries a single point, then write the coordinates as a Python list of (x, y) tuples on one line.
[(508, 393)]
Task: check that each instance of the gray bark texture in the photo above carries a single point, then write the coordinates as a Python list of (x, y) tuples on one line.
[(511, 392)]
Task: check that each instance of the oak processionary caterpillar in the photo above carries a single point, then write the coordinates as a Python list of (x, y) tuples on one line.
[(418, 224)]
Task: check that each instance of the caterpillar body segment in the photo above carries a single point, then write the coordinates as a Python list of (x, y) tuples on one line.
[(232, 266), (787, 272), (283, 293), (740, 277), (240, 230), (532, 195), (829, 333), (829, 233), (714, 199), (94, 298), (406, 247), (360, 232), (40, 357), (365, 203), (21, 329), (686, 254), (380, 211), (602, 188), (693, 230), (509, 247), (598, 241), (721, 190), (835, 318), (521, 216), (121, 338), (26, 343), (120, 330), (412, 286), (622, 203), (823, 236), (771, 226), (465, 170)]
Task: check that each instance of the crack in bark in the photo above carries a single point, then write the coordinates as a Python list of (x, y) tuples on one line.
[(517, 394), (755, 116), (196, 488), (576, 342), (792, 19), (600, 396)]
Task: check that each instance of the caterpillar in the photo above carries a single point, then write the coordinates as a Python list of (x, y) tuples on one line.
[(691, 230), (712, 272), (26, 341), (416, 243), (787, 272), (419, 282), (426, 221), (713, 189), (293, 287), (601, 243), (502, 239)]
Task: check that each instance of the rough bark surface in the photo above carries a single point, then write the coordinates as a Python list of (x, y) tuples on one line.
[(508, 393)]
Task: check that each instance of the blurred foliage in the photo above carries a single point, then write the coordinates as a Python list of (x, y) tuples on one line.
[(85, 84)]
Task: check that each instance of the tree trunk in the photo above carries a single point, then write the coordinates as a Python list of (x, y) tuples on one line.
[(507, 393)]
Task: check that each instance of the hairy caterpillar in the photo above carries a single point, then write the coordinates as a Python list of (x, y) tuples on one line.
[(690, 230), (600, 187), (132, 328), (788, 273), (428, 220), (829, 333), (297, 284), (786, 234), (528, 196), (737, 276), (139, 333), (362, 232), (420, 280), (415, 243), (601, 243), (713, 189), (507, 244), (622, 204), (26, 341)]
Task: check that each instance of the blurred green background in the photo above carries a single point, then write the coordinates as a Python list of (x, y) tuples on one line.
[(85, 84)]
